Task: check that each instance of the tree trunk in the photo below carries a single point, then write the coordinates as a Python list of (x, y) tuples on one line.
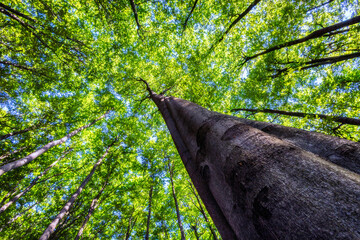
[(37, 153), (94, 204), (343, 120), (203, 212), (66, 208), (33, 183), (260, 186), (171, 171), (149, 213), (194, 227), (130, 226)]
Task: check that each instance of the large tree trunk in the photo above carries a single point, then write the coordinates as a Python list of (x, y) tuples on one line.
[(147, 234), (32, 184), (171, 171), (37, 153), (50, 229), (256, 185)]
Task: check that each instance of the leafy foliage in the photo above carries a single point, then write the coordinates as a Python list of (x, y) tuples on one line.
[(65, 63)]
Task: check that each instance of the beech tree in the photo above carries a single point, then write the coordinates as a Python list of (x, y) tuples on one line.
[(65, 63)]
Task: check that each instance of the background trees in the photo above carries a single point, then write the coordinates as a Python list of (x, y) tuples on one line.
[(65, 63)]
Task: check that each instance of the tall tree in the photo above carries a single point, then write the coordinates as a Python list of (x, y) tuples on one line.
[(32, 184), (50, 229), (37, 153), (171, 173), (245, 177)]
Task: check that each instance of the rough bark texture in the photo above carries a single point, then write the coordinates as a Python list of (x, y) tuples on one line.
[(37, 153), (258, 183), (50, 229)]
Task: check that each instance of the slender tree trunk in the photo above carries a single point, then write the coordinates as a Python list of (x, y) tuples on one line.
[(344, 120), (94, 204), (194, 227), (128, 230), (259, 186), (14, 190), (149, 213), (171, 171), (17, 216), (50, 229), (37, 153), (213, 232), (32, 184)]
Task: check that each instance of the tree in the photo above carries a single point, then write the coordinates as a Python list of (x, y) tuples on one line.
[(254, 185), (71, 201), (64, 63)]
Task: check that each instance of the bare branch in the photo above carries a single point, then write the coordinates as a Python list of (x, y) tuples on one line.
[(188, 17)]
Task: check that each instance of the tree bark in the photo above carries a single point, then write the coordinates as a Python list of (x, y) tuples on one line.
[(50, 229), (149, 213), (259, 186), (313, 35), (171, 171), (94, 204), (32, 184), (344, 120), (37, 153)]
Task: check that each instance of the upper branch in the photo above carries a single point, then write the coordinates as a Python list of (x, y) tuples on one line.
[(133, 7), (16, 12), (241, 16), (315, 34), (188, 17)]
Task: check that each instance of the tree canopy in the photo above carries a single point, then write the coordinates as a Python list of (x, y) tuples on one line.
[(64, 64)]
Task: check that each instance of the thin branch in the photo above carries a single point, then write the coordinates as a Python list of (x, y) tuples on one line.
[(188, 17), (319, 6), (342, 120), (313, 35), (133, 7), (242, 15), (16, 12)]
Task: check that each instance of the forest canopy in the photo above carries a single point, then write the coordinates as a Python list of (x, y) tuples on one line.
[(70, 92)]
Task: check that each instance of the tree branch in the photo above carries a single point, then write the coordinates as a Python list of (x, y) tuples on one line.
[(242, 15), (342, 120), (313, 35), (188, 17), (16, 12)]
